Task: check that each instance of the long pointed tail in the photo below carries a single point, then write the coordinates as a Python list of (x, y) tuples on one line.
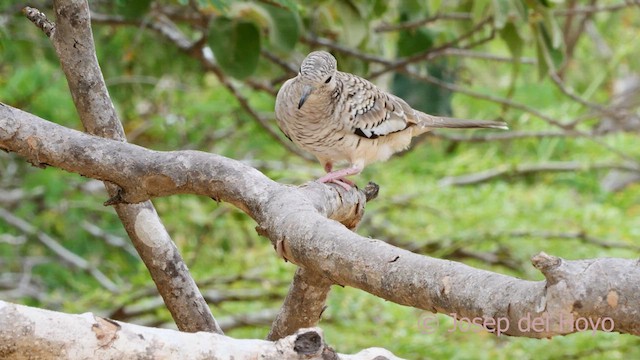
[(429, 121)]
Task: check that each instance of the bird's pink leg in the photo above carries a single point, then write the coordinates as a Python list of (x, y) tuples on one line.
[(338, 176)]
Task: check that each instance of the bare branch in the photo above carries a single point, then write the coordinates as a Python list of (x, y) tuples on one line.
[(487, 56), (526, 169), (74, 45), (108, 238), (303, 305), (569, 128), (593, 9), (437, 51), (582, 236), (467, 16), (421, 22), (296, 218), (37, 333), (40, 20)]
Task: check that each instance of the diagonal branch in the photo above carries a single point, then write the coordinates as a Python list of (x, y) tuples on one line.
[(296, 217), (74, 45), (303, 305)]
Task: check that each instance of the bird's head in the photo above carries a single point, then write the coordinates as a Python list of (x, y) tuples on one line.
[(317, 74)]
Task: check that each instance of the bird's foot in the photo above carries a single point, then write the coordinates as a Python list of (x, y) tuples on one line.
[(344, 183), (338, 177)]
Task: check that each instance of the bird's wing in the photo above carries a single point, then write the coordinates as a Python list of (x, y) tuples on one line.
[(372, 112)]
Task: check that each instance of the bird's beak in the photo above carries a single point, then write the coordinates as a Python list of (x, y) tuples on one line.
[(306, 91)]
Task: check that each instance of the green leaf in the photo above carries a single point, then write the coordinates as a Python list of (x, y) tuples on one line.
[(552, 26), (413, 41), (548, 56), (283, 27), (425, 97), (354, 28), (236, 46), (380, 7), (511, 37)]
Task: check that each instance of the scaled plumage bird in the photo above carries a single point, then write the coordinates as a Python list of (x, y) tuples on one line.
[(337, 116)]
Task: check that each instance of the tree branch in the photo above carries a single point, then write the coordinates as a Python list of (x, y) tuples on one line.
[(73, 42), (37, 333), (296, 218), (525, 169), (303, 305)]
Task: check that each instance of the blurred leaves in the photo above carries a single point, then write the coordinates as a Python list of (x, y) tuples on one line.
[(132, 9), (236, 45)]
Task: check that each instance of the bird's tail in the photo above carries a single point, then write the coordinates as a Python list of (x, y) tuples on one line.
[(428, 121)]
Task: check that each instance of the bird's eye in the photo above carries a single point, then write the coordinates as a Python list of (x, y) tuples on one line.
[(328, 79)]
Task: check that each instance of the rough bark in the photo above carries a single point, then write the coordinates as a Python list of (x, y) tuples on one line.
[(303, 305), (600, 290), (72, 40), (32, 333)]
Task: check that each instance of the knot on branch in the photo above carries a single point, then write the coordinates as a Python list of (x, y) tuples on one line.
[(308, 343), (40, 20), (371, 191), (547, 265)]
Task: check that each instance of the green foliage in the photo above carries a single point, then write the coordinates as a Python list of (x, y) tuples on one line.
[(236, 45), (133, 9), (167, 102)]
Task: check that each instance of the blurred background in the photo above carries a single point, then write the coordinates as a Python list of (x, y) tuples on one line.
[(565, 75)]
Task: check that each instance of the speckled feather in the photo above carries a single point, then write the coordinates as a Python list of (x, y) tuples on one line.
[(338, 116)]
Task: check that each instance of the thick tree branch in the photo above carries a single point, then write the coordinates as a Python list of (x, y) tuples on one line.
[(35, 333), (72, 40), (597, 289), (303, 305)]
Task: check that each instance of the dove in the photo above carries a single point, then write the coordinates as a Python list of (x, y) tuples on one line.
[(341, 117)]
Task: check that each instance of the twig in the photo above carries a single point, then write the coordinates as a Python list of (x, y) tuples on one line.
[(318, 41), (466, 16), (578, 235), (421, 22), (201, 52), (60, 251), (488, 97), (463, 52), (288, 68), (434, 52), (110, 239), (525, 169), (569, 128), (40, 20), (592, 9)]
